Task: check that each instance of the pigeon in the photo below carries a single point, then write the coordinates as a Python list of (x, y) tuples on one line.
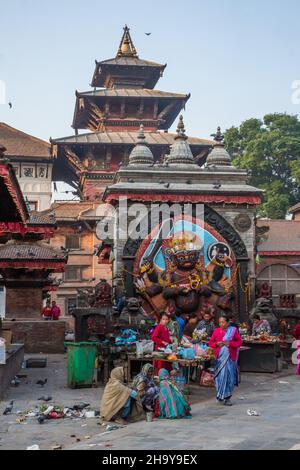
[(80, 406), (10, 105), (43, 398), (217, 185), (41, 382), (9, 408), (41, 419), (148, 34)]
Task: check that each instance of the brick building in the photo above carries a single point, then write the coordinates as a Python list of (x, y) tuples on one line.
[(27, 262), (279, 252), (32, 161), (76, 233), (295, 212)]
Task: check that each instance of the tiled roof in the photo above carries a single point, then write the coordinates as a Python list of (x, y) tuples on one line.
[(295, 208), (132, 61), (40, 218), (70, 210), (129, 138), (283, 235), (19, 144), (133, 93), (34, 252)]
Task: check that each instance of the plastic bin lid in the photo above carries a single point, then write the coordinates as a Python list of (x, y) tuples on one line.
[(82, 343)]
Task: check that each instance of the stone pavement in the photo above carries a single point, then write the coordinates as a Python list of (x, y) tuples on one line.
[(275, 396)]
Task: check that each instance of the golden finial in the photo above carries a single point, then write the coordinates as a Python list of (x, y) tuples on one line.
[(126, 47)]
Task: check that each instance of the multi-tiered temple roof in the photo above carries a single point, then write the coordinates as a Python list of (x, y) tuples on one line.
[(113, 114)]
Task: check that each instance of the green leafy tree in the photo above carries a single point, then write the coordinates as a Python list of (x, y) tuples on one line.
[(270, 148)]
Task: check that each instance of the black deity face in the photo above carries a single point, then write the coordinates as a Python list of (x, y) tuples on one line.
[(186, 259)]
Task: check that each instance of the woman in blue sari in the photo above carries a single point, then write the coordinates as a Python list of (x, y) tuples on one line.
[(226, 342), (171, 402)]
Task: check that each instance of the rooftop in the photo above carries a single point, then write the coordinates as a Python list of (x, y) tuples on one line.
[(126, 58), (283, 236), (14, 251), (70, 210), (132, 93), (13, 207), (129, 138), (20, 144), (295, 208)]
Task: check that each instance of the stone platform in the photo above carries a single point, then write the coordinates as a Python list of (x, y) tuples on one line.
[(38, 336), (14, 359)]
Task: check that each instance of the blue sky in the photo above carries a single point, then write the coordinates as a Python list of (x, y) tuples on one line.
[(238, 59)]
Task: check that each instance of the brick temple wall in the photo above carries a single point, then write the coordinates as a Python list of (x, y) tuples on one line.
[(23, 303), (38, 336)]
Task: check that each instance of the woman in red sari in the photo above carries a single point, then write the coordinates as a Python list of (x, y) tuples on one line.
[(161, 339)]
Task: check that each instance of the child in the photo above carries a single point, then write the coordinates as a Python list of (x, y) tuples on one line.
[(161, 339)]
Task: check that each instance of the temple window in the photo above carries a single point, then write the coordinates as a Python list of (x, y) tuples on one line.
[(72, 242), (33, 205), (282, 278), (72, 273)]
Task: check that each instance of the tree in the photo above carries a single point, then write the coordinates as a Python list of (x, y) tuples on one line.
[(270, 148)]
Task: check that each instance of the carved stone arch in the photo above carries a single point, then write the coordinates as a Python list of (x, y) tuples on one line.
[(213, 219), (228, 232), (220, 224)]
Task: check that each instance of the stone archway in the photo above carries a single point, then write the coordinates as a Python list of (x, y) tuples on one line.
[(220, 224)]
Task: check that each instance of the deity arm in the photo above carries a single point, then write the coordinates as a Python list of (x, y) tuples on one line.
[(171, 292), (154, 290)]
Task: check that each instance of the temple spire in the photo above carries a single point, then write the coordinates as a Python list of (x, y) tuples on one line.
[(219, 155), (126, 47), (180, 153), (141, 153), (181, 129)]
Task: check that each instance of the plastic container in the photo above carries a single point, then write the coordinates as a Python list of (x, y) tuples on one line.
[(81, 363)]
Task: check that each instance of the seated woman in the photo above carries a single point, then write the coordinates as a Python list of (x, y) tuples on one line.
[(171, 403), (119, 402), (147, 390), (260, 326)]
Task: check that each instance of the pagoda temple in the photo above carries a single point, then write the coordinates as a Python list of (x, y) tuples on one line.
[(121, 99), (27, 262)]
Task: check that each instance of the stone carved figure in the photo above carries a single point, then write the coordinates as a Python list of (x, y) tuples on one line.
[(185, 284), (264, 308)]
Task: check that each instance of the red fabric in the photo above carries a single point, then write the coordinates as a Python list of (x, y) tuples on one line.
[(204, 198), (55, 312), (296, 332), (57, 267), (15, 192), (159, 336), (234, 344), (18, 227), (46, 312)]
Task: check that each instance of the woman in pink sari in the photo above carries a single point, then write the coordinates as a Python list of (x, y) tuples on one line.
[(296, 334), (226, 342)]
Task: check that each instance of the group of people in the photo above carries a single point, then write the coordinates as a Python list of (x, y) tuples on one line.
[(225, 341), (51, 311), (121, 402)]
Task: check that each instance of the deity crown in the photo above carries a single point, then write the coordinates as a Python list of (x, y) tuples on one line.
[(183, 243)]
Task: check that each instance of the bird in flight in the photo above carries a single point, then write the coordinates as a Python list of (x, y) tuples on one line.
[(10, 105), (148, 34)]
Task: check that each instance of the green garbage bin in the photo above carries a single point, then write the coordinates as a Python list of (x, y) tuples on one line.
[(81, 363)]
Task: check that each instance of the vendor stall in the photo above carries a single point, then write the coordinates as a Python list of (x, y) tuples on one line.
[(261, 355)]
